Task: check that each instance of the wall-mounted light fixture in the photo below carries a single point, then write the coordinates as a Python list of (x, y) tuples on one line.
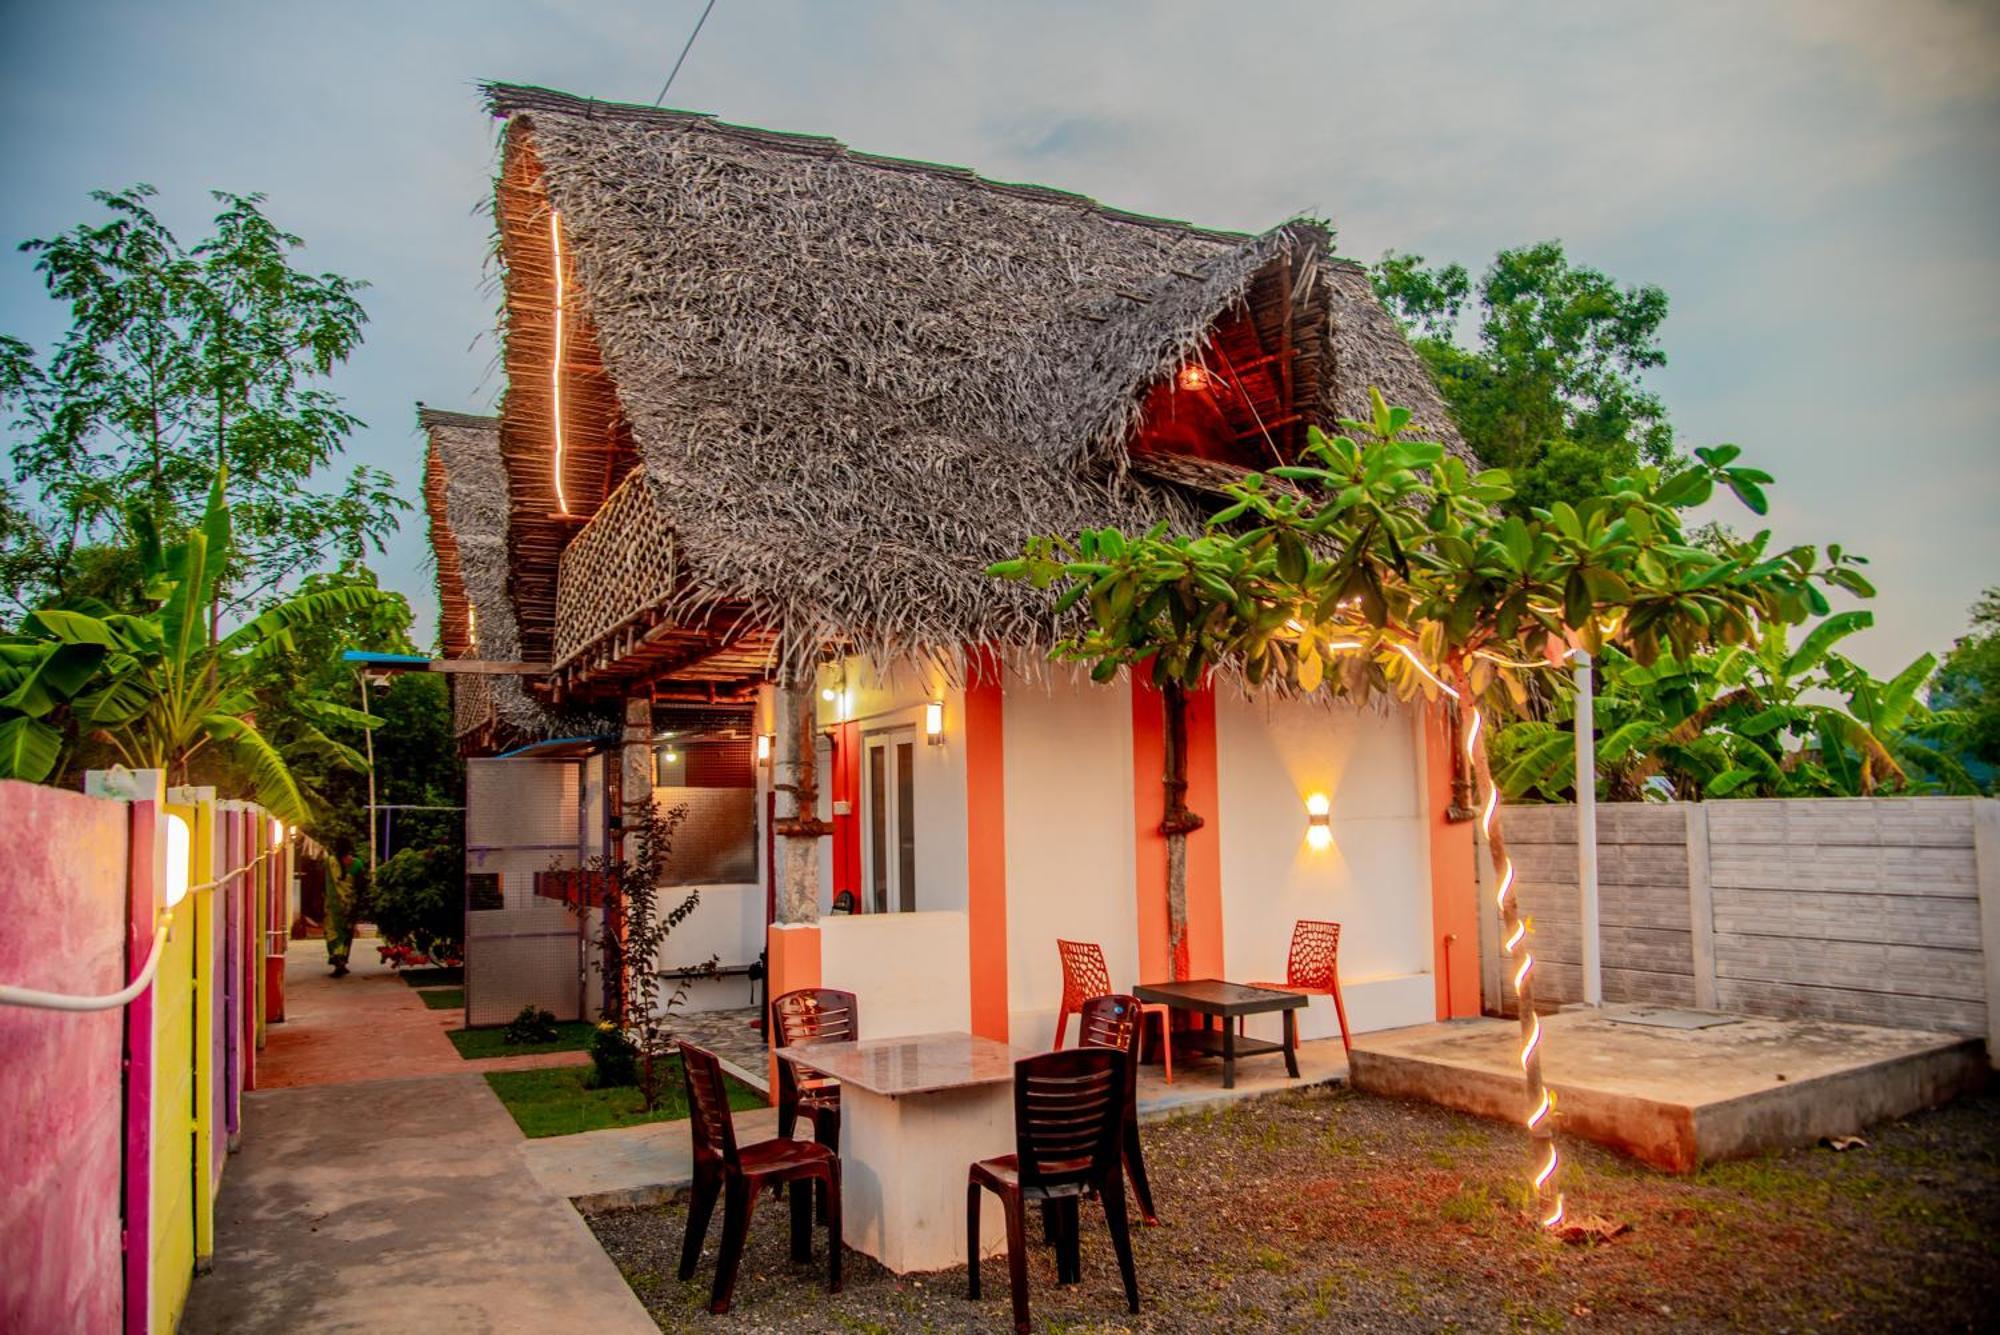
[(277, 832), (1319, 822), (180, 854), (764, 740), (934, 722), (1194, 377)]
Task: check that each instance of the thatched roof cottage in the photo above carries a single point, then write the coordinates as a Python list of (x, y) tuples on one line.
[(772, 405)]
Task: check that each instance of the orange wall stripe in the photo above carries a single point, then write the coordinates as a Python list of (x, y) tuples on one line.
[(1454, 878), (795, 963), (986, 855), (1203, 957)]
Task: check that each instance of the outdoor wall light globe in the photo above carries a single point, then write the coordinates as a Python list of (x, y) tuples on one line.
[(763, 748), (1319, 822), (277, 832), (934, 722), (180, 854)]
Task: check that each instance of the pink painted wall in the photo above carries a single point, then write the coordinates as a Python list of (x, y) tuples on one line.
[(63, 907)]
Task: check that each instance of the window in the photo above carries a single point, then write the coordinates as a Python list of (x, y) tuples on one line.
[(889, 820)]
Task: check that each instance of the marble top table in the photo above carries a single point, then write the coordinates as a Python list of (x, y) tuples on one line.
[(915, 1113)]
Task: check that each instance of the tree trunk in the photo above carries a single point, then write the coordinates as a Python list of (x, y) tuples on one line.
[(1176, 824), (1515, 941), (798, 825)]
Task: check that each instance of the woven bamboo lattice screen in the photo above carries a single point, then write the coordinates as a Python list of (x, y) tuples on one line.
[(471, 703), (620, 566)]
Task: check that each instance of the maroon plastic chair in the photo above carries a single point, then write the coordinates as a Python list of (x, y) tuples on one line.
[(807, 1016), (1069, 1116), (739, 1174), (1115, 1021)]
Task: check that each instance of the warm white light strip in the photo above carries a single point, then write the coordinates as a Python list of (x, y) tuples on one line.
[(556, 363), (1518, 936)]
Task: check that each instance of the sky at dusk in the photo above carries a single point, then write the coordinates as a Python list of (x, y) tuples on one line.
[(1815, 184)]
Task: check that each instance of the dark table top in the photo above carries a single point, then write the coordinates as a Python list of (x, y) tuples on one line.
[(1212, 996)]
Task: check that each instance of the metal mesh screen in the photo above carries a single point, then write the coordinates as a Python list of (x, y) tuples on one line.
[(522, 816)]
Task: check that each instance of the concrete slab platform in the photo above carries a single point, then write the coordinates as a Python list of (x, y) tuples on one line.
[(1679, 1098)]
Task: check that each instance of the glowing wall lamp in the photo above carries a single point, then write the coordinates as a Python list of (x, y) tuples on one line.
[(180, 855), (934, 722), (1319, 823), (763, 748), (277, 832)]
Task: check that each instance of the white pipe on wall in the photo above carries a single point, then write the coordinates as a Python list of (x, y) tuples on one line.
[(1586, 830)]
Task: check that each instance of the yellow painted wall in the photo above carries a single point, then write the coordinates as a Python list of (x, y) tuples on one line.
[(173, 1233)]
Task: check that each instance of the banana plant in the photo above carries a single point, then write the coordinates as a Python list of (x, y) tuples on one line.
[(159, 688), (1745, 721)]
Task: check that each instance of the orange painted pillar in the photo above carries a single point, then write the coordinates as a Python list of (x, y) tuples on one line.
[(1454, 877), (986, 856), (794, 964), (1202, 954)]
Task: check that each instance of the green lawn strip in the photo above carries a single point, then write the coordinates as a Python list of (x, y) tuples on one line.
[(571, 1036), (443, 998), (432, 977), (558, 1102)]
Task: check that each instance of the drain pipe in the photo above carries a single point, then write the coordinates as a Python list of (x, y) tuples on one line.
[(1586, 830)]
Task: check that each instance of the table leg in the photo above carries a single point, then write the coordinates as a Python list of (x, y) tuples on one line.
[(1229, 1056), (1292, 1043)]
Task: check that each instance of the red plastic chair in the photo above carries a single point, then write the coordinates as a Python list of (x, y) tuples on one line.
[(1312, 968), (1085, 976), (738, 1175)]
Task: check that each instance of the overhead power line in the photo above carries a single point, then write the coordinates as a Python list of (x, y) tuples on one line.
[(684, 53)]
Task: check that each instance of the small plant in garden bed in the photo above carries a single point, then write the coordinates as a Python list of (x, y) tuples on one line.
[(472, 1044), (560, 1100), (533, 1025), (401, 957)]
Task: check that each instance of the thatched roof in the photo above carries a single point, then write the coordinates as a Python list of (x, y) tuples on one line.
[(852, 382), (465, 492)]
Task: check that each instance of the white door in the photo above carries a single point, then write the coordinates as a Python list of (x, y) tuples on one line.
[(888, 820)]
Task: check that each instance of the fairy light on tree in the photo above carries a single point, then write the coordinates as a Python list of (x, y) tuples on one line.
[(1385, 564)]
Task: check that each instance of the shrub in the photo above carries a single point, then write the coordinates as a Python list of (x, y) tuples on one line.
[(532, 1025), (615, 1056), (419, 900)]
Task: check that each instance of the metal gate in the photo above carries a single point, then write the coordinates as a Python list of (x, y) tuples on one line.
[(522, 815)]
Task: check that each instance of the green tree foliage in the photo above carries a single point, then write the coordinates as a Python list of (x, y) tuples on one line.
[(160, 687), (418, 899), (1969, 685), (1551, 389), (1763, 720), (178, 360)]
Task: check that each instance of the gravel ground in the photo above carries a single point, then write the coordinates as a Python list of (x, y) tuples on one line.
[(1327, 1209)]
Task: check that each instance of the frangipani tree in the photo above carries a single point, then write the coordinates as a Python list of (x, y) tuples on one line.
[(1379, 563)]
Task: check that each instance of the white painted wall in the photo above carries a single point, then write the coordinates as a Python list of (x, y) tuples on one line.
[(878, 704), (909, 972), (1375, 879), (728, 924), (1068, 750)]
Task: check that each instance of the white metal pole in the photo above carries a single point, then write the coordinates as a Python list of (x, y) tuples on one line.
[(1586, 831)]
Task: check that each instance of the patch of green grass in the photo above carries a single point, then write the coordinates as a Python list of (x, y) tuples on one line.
[(433, 977), (444, 998), (558, 1102), (1266, 1257), (571, 1036), (1471, 1204)]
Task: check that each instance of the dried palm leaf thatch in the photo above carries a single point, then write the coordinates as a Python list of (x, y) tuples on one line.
[(852, 382), (466, 495)]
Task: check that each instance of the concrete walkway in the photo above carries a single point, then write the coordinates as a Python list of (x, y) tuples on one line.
[(381, 1186), (399, 1206)]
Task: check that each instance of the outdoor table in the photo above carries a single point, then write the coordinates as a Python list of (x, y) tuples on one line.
[(1211, 998), (914, 1114)]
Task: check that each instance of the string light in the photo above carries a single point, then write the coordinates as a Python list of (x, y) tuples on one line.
[(472, 628), (556, 363), (1516, 929)]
